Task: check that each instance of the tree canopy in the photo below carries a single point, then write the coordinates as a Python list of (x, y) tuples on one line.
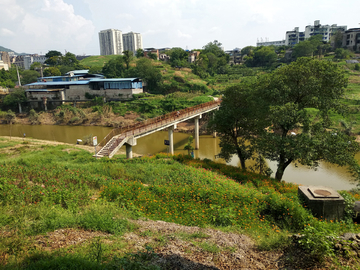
[(239, 120), (295, 102)]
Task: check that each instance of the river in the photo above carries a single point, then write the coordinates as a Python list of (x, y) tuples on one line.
[(326, 175)]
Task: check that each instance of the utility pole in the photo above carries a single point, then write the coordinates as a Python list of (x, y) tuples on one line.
[(17, 71)]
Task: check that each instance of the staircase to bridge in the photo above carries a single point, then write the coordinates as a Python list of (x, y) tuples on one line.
[(128, 135)]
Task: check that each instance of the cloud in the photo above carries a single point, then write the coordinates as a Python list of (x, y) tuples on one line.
[(182, 35), (6, 32), (44, 25)]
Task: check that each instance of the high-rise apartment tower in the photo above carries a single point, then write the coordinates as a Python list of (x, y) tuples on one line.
[(132, 42), (111, 42)]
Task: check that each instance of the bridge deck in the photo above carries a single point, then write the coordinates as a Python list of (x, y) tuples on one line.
[(119, 136)]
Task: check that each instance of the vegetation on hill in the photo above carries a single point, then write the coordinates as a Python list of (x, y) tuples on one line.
[(47, 189)]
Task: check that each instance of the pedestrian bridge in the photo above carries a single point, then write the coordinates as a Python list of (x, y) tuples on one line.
[(128, 135)]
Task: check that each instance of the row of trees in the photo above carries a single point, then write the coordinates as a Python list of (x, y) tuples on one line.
[(284, 117)]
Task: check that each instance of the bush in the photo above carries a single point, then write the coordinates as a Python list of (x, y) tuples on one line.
[(10, 117), (74, 120), (87, 140), (319, 241), (34, 117)]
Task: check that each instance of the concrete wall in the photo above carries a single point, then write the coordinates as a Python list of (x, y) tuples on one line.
[(79, 91)]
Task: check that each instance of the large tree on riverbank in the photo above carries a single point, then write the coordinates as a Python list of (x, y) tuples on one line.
[(298, 99)]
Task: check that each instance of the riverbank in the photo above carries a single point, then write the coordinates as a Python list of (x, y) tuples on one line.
[(18, 142), (90, 118)]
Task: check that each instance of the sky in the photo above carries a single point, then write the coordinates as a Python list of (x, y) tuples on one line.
[(38, 26)]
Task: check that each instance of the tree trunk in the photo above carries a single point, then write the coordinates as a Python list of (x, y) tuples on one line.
[(241, 158), (281, 167)]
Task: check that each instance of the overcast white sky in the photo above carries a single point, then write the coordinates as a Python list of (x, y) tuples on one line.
[(37, 26)]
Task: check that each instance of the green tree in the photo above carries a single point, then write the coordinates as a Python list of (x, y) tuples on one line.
[(139, 53), (128, 55), (115, 68), (189, 146), (52, 71), (262, 56), (337, 39), (248, 50), (14, 98), (178, 57), (69, 59), (29, 76), (341, 53), (152, 56), (215, 48), (296, 134), (303, 48), (36, 66), (150, 74), (53, 58), (239, 120), (8, 78), (53, 53)]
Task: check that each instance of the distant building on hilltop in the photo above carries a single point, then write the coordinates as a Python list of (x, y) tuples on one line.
[(30, 59), (132, 42), (293, 37), (5, 58), (113, 41), (351, 39)]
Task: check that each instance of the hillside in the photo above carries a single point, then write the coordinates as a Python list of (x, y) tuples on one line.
[(9, 50), (61, 207)]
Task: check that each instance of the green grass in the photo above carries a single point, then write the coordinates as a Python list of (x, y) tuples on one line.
[(97, 60), (43, 189)]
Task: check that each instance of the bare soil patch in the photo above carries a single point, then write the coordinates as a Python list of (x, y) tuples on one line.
[(64, 238)]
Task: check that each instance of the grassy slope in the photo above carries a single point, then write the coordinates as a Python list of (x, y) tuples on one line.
[(97, 60), (46, 188)]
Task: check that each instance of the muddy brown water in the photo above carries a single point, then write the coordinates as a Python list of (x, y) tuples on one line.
[(326, 175)]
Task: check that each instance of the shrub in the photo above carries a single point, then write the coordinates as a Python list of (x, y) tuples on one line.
[(74, 120), (319, 241), (10, 116), (34, 117), (87, 140)]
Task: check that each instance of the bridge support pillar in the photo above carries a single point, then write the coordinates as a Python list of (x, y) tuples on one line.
[(171, 138), (129, 144), (197, 137), (129, 153)]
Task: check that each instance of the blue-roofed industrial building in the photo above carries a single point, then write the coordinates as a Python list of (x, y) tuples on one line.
[(78, 85)]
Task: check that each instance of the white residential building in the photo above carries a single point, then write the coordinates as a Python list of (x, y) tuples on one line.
[(111, 42), (327, 31), (132, 42), (295, 36)]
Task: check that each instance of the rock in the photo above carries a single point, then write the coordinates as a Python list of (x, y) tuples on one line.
[(349, 236), (338, 246)]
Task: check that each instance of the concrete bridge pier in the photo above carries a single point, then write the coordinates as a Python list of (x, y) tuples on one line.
[(197, 135), (129, 144), (171, 138)]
